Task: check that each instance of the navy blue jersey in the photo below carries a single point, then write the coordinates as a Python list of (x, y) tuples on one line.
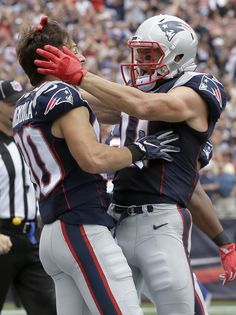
[(64, 190), (161, 181)]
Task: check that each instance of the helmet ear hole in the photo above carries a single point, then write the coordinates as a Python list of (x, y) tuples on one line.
[(178, 58)]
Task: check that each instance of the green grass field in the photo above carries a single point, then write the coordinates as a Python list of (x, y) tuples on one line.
[(216, 308)]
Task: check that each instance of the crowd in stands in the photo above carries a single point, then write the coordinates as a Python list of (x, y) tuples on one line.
[(102, 27)]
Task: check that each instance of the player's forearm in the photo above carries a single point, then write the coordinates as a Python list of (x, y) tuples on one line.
[(146, 106), (203, 213), (103, 112), (104, 159), (115, 96), (210, 229)]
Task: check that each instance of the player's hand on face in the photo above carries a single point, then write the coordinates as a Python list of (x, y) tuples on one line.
[(157, 146), (62, 64), (5, 244), (228, 261)]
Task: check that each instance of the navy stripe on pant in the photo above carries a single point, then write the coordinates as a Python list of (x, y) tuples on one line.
[(187, 220), (83, 253)]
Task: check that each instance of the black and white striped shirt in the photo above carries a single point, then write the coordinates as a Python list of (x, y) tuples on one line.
[(17, 194)]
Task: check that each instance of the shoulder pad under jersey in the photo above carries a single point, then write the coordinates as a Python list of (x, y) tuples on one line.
[(208, 87)]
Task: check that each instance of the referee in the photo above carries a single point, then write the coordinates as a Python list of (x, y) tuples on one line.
[(19, 252)]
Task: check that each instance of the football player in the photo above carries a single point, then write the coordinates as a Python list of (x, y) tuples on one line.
[(151, 203), (57, 133), (204, 216)]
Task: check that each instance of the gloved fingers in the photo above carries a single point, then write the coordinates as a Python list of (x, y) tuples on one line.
[(224, 278), (47, 55), (45, 71), (53, 50), (170, 148), (169, 138), (228, 277), (232, 276), (165, 156), (44, 64), (69, 53), (162, 134)]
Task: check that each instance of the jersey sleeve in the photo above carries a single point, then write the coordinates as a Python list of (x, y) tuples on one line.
[(57, 99), (212, 91)]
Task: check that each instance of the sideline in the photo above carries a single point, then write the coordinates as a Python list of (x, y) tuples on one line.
[(214, 309)]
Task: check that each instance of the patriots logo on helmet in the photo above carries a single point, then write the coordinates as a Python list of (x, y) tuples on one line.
[(171, 28), (209, 85), (61, 96)]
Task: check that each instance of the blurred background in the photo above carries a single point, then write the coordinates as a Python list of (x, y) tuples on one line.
[(101, 28)]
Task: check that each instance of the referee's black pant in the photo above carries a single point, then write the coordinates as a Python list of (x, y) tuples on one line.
[(22, 268)]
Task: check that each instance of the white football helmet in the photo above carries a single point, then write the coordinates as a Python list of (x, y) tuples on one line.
[(177, 44)]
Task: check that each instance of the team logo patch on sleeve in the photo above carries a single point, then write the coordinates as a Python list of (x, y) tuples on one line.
[(171, 28), (210, 85), (61, 96)]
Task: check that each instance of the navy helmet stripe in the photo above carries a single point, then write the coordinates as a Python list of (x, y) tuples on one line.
[(85, 256)]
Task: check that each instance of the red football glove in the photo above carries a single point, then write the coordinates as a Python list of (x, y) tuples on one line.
[(43, 22), (62, 64), (228, 261)]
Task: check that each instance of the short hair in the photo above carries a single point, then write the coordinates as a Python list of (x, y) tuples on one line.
[(30, 39)]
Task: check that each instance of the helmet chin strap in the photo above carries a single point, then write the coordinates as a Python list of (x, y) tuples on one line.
[(188, 66)]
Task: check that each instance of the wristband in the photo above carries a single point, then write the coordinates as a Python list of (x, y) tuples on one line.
[(137, 154), (221, 239)]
